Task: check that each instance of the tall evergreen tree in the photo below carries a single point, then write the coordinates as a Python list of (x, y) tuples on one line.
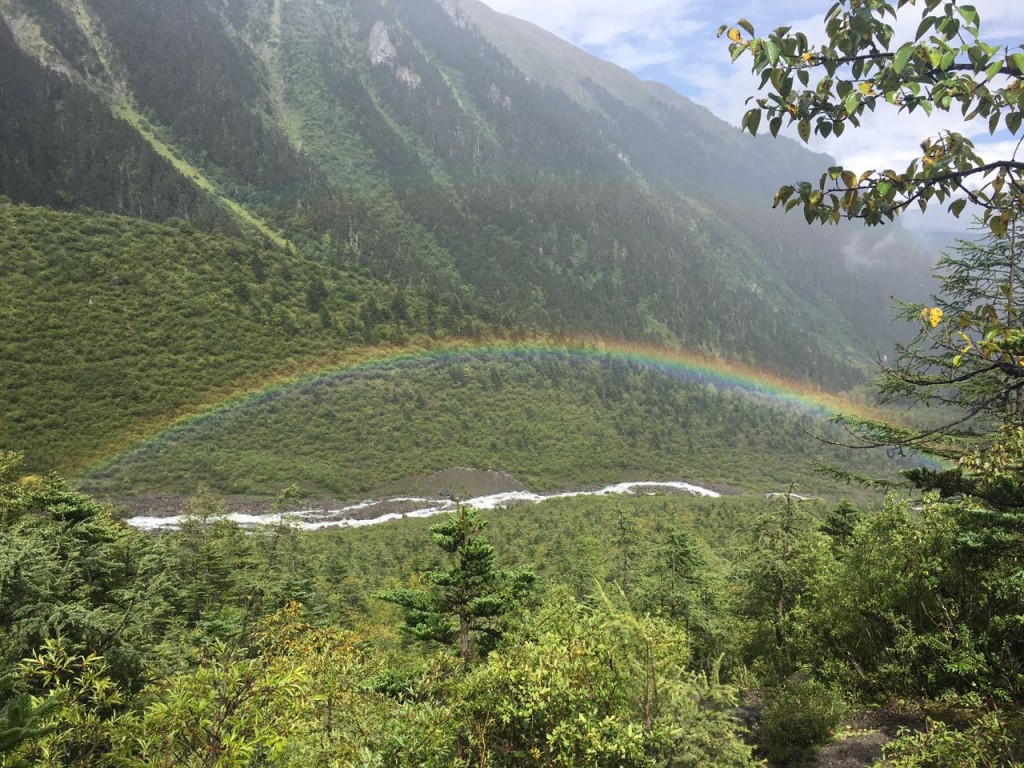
[(470, 597)]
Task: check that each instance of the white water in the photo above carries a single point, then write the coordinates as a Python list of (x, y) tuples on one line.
[(315, 519)]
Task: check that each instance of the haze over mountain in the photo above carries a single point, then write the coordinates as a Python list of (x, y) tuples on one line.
[(322, 174)]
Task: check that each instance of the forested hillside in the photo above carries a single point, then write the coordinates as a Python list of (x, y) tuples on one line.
[(609, 634), (112, 323), (332, 174)]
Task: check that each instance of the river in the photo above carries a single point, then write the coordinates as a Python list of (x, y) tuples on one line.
[(377, 511)]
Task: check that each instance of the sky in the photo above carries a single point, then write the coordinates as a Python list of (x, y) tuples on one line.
[(674, 42)]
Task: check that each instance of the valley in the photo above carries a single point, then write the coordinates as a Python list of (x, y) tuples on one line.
[(390, 384)]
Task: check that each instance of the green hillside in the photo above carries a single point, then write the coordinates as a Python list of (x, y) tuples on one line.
[(393, 137), (263, 256), (113, 323), (550, 420)]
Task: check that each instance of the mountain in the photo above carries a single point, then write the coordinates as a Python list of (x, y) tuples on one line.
[(333, 173)]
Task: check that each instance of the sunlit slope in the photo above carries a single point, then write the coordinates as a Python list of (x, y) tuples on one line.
[(112, 324)]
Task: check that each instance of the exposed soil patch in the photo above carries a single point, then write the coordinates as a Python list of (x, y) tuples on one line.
[(866, 733), (457, 482)]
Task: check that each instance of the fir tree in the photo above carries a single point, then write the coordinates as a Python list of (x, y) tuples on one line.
[(470, 596)]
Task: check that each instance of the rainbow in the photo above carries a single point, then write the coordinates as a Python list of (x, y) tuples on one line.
[(799, 396)]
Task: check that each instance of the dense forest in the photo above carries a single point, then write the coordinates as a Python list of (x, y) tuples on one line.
[(596, 633)]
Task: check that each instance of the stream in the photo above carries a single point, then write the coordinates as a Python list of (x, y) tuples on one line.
[(376, 511)]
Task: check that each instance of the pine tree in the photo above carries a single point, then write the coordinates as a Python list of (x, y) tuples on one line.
[(470, 596)]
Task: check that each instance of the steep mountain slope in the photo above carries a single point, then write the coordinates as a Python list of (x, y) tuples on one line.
[(408, 147)]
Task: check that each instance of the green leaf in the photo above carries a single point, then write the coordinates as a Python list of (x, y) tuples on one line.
[(1016, 60), (851, 102), (746, 26), (803, 128), (751, 120), (926, 22), (968, 13), (1013, 122), (957, 206), (902, 57)]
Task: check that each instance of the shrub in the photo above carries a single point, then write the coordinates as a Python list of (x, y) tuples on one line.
[(989, 741), (798, 716)]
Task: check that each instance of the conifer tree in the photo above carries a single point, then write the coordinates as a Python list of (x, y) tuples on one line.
[(470, 597)]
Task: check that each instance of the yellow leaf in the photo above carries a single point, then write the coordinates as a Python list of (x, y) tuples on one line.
[(934, 316), (734, 35)]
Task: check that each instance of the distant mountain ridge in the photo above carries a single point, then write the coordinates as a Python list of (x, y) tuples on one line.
[(436, 150)]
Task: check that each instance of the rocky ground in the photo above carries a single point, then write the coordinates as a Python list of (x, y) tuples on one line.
[(860, 743)]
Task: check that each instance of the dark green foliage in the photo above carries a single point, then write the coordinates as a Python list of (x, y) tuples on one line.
[(627, 539), (872, 616), (113, 323), (444, 167), (681, 581), (907, 605), (430, 191), (840, 523), (992, 738), (69, 570), (475, 197), (784, 558), (469, 599), (553, 421), (21, 720), (55, 143)]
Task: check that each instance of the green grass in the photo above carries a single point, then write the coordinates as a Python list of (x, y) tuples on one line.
[(126, 112)]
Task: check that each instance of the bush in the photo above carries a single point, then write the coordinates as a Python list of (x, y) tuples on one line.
[(798, 716), (989, 741)]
